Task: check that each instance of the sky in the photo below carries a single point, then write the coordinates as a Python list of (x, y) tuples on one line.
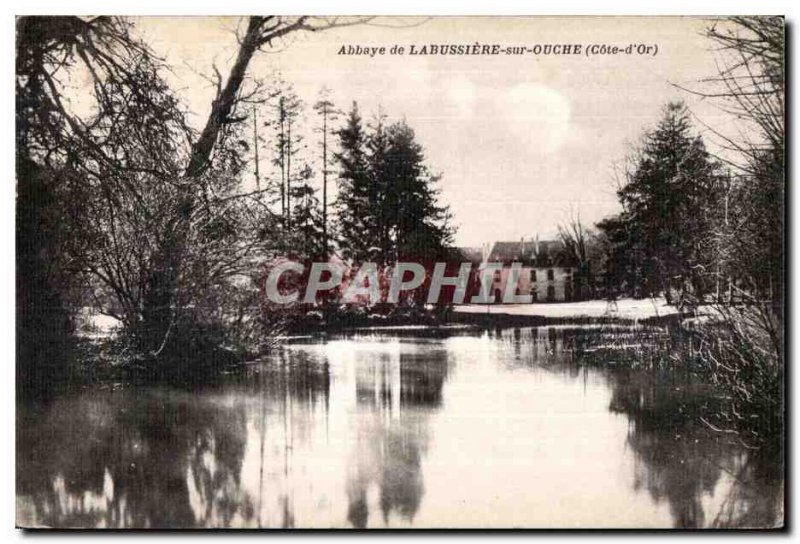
[(523, 143)]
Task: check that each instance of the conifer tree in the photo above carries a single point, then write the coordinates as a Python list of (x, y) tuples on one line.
[(388, 200), (417, 226), (669, 203), (286, 110), (306, 215), (356, 229)]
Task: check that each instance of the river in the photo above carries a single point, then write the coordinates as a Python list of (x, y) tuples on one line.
[(495, 428)]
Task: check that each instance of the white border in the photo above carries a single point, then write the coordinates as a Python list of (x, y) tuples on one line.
[(236, 7)]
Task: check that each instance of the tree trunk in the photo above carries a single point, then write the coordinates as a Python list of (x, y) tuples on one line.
[(159, 311)]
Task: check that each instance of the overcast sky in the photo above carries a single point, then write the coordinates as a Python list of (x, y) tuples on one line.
[(521, 142)]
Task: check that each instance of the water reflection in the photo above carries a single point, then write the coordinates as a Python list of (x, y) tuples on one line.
[(680, 461), (112, 459), (396, 391), (497, 428)]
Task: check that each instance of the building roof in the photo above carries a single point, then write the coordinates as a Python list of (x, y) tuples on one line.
[(512, 251), (532, 252), (471, 254)]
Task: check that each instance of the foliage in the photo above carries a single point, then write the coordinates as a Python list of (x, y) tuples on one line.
[(356, 227), (121, 205), (715, 237), (388, 204), (741, 349), (658, 242), (123, 149)]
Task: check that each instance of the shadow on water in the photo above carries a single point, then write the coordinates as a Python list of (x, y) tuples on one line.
[(147, 457), (129, 459), (336, 433)]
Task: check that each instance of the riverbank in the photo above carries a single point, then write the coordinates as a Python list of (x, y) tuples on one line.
[(632, 311), (627, 308), (99, 326), (100, 358)]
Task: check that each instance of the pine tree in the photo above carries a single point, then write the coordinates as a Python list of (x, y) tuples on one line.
[(388, 201), (380, 193), (418, 226), (668, 202), (306, 214), (356, 229), (286, 109)]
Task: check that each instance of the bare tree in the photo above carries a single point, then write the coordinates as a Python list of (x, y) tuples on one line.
[(750, 81), (742, 346), (68, 165), (160, 196), (260, 32), (576, 239)]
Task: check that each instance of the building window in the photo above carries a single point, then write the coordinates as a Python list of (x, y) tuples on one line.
[(550, 275), (533, 276), (534, 296), (551, 293)]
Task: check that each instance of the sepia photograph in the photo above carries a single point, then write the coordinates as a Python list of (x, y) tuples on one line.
[(400, 272)]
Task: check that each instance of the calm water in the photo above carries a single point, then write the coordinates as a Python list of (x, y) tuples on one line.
[(489, 429)]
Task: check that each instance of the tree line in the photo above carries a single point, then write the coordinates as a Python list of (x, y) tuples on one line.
[(387, 198), (697, 226)]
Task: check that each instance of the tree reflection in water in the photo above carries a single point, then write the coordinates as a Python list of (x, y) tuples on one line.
[(680, 460), (396, 390), (340, 432), (677, 458), (122, 459)]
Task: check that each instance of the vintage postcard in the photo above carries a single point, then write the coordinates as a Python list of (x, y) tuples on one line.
[(400, 272)]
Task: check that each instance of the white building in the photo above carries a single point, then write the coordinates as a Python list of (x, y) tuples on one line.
[(547, 272)]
